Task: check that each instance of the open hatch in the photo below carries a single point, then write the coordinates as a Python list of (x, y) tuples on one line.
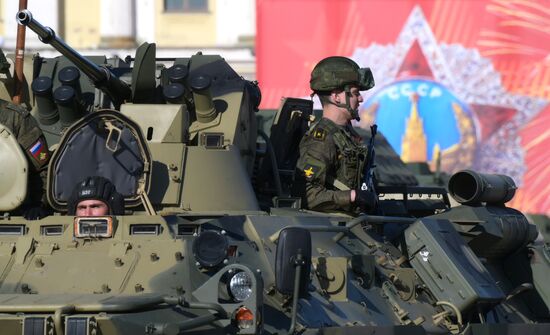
[(104, 143)]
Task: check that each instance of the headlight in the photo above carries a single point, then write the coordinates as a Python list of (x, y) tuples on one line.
[(240, 286)]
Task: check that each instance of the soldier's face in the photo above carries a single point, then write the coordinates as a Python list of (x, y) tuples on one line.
[(355, 99), (92, 208)]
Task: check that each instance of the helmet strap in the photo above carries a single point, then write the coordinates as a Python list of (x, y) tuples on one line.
[(353, 112)]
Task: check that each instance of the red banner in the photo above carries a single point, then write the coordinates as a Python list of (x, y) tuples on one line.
[(484, 65)]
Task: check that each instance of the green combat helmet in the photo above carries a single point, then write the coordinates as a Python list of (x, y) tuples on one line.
[(333, 73)]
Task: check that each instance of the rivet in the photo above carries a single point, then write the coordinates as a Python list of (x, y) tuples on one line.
[(38, 262), (25, 288)]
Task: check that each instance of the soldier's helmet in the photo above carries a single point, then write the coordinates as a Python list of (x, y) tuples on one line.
[(337, 72), (96, 188)]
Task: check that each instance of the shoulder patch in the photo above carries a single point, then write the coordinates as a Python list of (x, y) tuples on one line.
[(310, 171), (319, 134), (39, 152)]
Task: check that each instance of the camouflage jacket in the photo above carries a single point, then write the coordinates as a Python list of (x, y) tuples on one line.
[(331, 163), (32, 141)]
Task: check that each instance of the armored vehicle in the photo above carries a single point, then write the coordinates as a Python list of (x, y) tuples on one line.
[(211, 240)]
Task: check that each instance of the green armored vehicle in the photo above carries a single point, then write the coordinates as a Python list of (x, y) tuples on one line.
[(211, 241)]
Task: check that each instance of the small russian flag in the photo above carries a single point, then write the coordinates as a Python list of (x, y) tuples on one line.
[(36, 148)]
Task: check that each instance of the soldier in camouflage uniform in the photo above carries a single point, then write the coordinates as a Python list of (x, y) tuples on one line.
[(32, 141), (332, 154)]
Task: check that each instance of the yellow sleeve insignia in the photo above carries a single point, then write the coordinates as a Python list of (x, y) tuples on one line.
[(310, 171)]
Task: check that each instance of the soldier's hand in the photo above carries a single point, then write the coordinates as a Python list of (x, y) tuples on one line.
[(35, 213), (366, 200)]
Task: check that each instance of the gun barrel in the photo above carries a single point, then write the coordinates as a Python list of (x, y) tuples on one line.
[(116, 89), (470, 187)]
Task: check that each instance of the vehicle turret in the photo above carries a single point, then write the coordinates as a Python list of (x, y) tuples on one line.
[(188, 110)]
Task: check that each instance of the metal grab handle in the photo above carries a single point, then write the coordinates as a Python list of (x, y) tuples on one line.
[(112, 129), (147, 203)]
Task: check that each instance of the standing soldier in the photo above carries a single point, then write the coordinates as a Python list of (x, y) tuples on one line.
[(332, 154), (25, 129)]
